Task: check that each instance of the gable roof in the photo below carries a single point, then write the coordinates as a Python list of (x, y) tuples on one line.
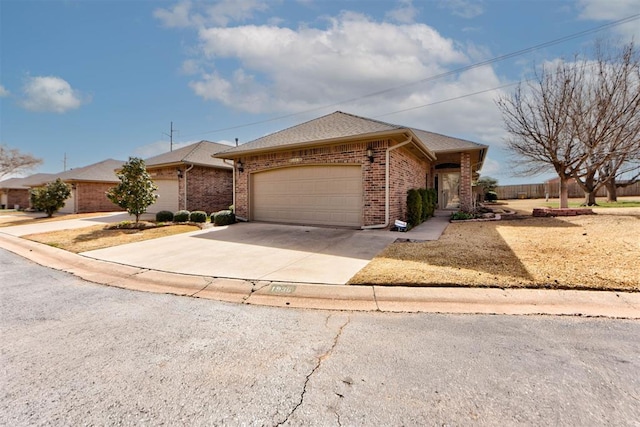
[(198, 153), (339, 125), (104, 171), (26, 182)]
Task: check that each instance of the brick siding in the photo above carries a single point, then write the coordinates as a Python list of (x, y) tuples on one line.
[(209, 189), (406, 172), (403, 168), (91, 197), (466, 196), (18, 197)]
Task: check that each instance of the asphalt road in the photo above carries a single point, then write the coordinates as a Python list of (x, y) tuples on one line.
[(76, 353)]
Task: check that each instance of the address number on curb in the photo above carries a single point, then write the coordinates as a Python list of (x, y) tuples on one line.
[(282, 289)]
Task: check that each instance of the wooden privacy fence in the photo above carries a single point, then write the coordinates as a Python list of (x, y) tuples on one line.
[(538, 191)]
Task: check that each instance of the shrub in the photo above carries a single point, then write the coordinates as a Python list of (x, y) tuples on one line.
[(181, 216), (224, 218), (414, 207), (198, 216), (490, 196), (432, 201), (425, 204), (462, 215), (164, 216), (50, 198)]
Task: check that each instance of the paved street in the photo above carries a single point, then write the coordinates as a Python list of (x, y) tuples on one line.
[(77, 353)]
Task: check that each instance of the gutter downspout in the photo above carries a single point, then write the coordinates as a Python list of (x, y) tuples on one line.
[(386, 188), (185, 186)]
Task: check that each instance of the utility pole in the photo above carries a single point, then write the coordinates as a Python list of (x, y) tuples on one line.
[(170, 135), (64, 162)]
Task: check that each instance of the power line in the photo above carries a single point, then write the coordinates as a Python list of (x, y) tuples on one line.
[(510, 55)]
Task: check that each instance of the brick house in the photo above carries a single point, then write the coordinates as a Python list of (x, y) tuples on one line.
[(15, 191), (89, 185), (346, 170), (190, 178)]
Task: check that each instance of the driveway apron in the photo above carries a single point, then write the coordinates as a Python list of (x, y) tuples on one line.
[(257, 251)]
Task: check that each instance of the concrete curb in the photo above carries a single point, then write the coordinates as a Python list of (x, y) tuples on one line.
[(333, 297)]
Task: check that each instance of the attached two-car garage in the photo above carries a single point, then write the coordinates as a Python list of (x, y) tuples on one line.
[(314, 195)]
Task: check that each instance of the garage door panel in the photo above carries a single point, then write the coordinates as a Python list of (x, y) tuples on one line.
[(329, 195), (167, 196)]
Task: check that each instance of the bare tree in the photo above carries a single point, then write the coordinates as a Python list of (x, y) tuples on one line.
[(13, 161), (537, 117), (582, 119), (606, 118)]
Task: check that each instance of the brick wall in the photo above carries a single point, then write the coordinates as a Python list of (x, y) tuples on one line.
[(466, 197), (208, 189), (18, 197), (406, 172), (91, 197)]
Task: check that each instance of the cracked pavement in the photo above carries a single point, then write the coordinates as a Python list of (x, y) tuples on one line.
[(76, 353)]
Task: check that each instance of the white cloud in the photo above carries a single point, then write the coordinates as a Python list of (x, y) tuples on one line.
[(289, 70), (199, 14), (50, 94), (280, 70), (4, 92), (463, 8), (405, 13), (608, 10)]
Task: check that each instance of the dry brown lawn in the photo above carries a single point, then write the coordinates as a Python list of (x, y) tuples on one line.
[(98, 236), (585, 252)]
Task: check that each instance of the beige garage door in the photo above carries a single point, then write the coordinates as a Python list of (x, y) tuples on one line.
[(167, 196), (322, 195), (69, 204)]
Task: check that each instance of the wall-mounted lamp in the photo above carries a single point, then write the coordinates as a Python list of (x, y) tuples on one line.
[(179, 173), (240, 166), (370, 154)]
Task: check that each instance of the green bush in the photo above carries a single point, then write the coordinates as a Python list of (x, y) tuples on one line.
[(181, 216), (414, 207), (425, 204), (164, 216), (490, 196), (50, 198), (432, 201), (198, 216), (224, 218), (461, 215)]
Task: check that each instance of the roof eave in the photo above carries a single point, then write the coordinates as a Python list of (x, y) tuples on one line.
[(318, 142)]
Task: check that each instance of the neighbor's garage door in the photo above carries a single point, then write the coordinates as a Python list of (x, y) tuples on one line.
[(69, 204), (322, 195), (167, 196)]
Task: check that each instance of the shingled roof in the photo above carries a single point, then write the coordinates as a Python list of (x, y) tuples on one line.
[(341, 125), (103, 171), (26, 182), (198, 153)]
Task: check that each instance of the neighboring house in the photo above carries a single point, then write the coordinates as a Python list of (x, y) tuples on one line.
[(190, 178), (89, 185), (345, 170), (14, 192)]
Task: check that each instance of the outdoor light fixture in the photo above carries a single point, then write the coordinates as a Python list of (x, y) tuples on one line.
[(179, 173), (240, 166), (370, 154)]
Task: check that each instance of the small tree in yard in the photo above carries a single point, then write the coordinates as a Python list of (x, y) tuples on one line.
[(488, 185), (51, 197), (135, 193)]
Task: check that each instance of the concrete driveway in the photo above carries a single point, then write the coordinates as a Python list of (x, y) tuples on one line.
[(257, 251), (65, 224)]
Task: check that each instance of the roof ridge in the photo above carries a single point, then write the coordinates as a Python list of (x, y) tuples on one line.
[(373, 120)]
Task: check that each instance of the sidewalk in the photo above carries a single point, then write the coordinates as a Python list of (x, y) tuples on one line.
[(332, 297)]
